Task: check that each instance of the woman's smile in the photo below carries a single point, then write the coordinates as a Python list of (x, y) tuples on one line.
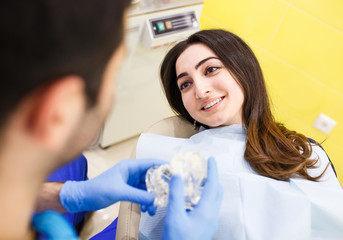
[(211, 104)]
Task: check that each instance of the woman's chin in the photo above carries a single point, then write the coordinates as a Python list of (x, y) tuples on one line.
[(214, 125)]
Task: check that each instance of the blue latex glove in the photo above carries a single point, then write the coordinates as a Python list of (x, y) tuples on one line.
[(53, 226), (202, 222), (125, 181)]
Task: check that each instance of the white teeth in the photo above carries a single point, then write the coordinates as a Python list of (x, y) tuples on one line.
[(212, 103)]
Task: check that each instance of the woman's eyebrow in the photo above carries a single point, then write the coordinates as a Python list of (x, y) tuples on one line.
[(203, 61), (181, 75), (196, 66)]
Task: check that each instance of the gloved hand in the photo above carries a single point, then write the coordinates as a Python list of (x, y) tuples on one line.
[(200, 223), (53, 226), (125, 181)]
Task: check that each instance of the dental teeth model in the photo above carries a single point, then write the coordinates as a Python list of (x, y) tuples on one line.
[(191, 166)]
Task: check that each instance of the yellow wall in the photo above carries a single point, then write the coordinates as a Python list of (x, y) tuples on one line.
[(299, 44)]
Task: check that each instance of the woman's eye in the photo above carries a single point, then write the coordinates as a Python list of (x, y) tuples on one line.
[(210, 70), (184, 85)]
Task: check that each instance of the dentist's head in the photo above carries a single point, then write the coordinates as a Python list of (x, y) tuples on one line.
[(58, 64)]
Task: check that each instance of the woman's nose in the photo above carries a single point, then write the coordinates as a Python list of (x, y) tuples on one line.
[(201, 89)]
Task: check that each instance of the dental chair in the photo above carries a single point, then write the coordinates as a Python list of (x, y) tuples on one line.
[(129, 213)]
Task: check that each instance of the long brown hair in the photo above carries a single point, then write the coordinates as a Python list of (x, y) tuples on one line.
[(271, 149)]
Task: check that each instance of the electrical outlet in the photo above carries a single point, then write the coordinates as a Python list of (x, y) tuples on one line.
[(324, 123)]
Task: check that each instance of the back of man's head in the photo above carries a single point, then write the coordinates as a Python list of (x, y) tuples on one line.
[(43, 40)]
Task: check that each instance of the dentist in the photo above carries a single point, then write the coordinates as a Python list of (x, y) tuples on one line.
[(58, 63)]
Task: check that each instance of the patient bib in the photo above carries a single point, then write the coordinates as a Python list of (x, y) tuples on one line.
[(254, 206)]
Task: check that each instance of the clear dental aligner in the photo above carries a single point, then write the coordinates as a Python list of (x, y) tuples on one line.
[(191, 166)]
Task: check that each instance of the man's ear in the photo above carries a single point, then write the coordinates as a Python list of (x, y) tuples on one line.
[(56, 111)]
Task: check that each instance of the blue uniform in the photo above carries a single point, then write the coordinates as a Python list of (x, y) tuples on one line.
[(76, 171)]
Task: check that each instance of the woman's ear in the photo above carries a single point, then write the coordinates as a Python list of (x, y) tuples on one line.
[(55, 111)]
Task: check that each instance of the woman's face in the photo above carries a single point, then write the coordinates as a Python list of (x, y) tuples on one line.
[(209, 92)]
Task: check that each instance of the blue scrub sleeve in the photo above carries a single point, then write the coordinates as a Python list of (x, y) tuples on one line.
[(76, 171)]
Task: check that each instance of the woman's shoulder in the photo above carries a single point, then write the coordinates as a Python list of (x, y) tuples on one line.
[(324, 164), (322, 151)]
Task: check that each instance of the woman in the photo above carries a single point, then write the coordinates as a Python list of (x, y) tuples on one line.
[(214, 80)]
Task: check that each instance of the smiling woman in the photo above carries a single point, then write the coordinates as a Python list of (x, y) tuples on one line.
[(219, 82), (277, 184)]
